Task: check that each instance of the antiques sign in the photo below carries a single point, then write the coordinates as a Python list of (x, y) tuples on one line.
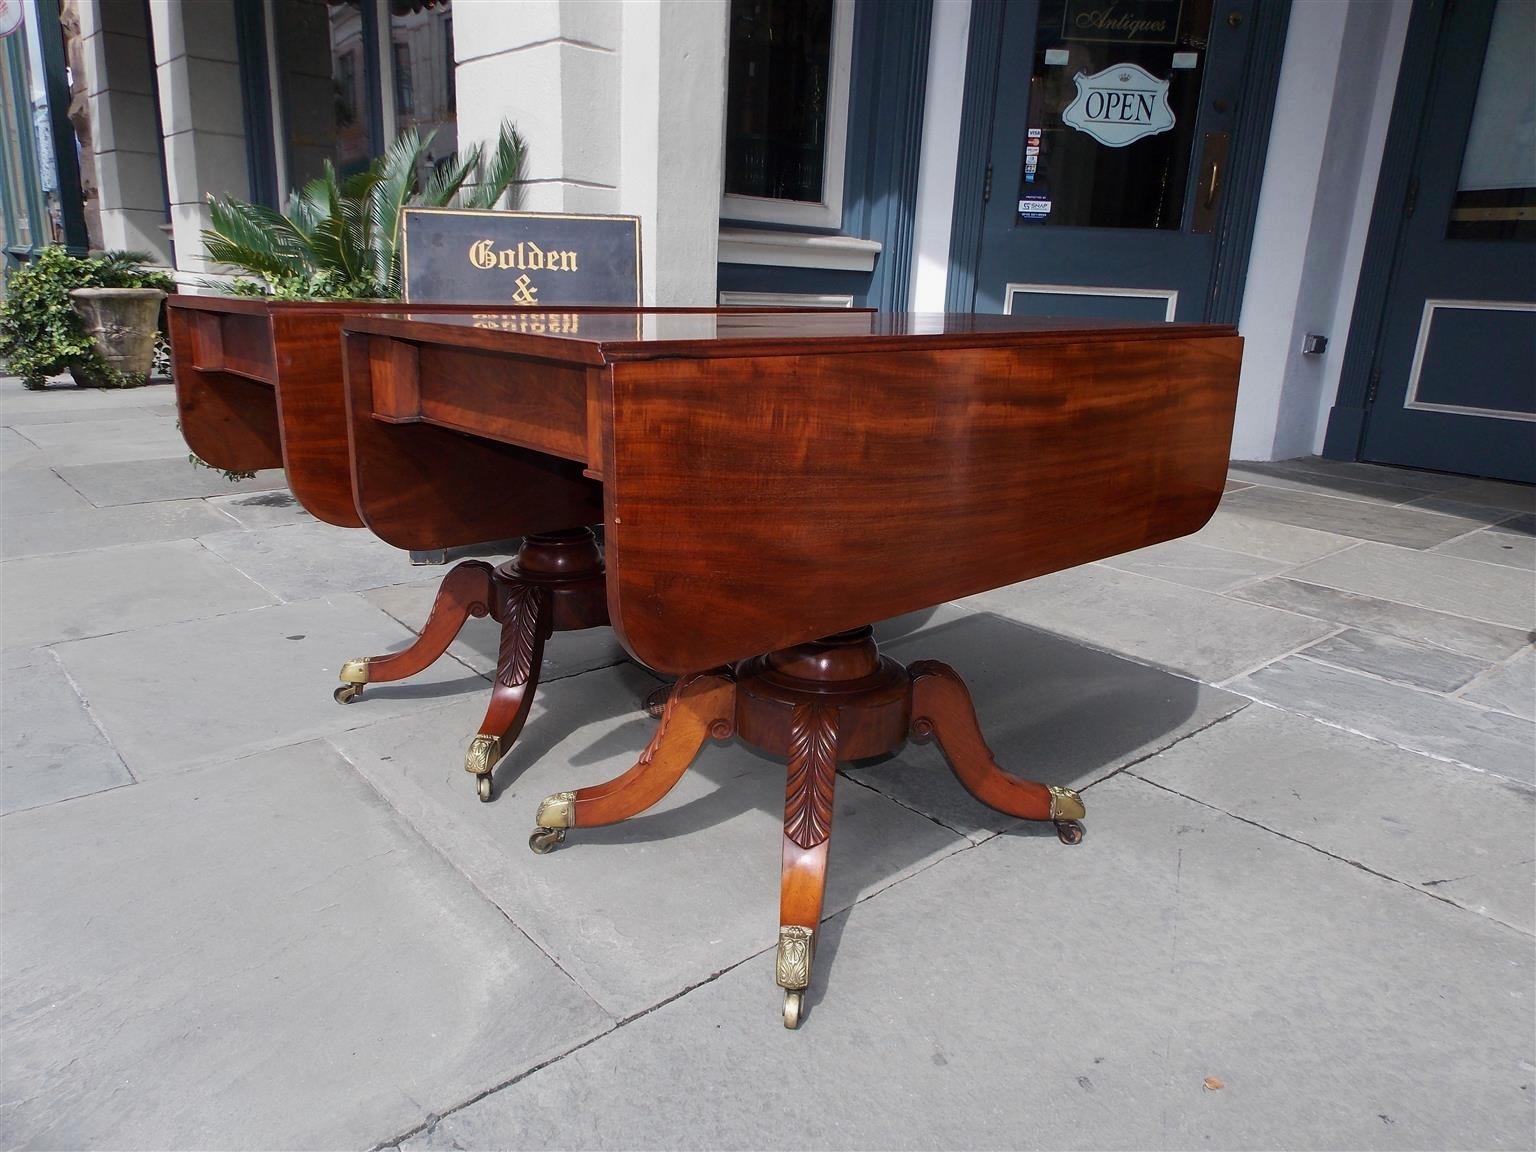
[(525, 259), (1122, 21), (1119, 105)]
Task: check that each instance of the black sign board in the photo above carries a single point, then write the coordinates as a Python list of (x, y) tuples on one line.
[(519, 259), (1122, 21)]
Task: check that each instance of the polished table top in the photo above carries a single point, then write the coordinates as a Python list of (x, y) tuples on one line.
[(769, 478), (617, 335)]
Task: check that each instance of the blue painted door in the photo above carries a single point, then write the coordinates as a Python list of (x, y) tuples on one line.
[(1455, 371), (1112, 145)]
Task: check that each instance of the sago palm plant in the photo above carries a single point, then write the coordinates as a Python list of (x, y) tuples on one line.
[(340, 239)]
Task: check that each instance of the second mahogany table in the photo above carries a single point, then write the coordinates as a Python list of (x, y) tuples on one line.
[(773, 484)]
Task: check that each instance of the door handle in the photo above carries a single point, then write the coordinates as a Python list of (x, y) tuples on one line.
[(1213, 183), (1213, 163)]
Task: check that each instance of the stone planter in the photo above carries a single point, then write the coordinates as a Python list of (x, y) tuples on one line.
[(122, 323)]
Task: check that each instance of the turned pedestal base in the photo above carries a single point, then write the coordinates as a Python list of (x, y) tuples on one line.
[(815, 705), (553, 584)]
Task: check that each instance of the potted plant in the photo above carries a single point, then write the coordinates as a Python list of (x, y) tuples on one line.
[(96, 316), (340, 239)]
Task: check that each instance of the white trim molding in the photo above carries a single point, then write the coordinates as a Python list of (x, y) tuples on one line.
[(730, 299), (1411, 395), (828, 211), (1171, 295), (797, 250)]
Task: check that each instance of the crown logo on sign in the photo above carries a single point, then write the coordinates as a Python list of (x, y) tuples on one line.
[(1124, 77)]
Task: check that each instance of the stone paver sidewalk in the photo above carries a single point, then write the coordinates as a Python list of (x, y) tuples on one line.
[(236, 915)]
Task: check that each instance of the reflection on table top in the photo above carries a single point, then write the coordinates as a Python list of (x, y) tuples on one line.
[(601, 338)]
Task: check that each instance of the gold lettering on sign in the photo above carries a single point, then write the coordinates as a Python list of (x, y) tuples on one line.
[(1109, 20), (526, 256), (525, 292)]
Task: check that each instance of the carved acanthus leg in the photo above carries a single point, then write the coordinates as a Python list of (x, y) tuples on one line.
[(702, 705), (942, 709), (524, 610), (808, 791), (468, 590)]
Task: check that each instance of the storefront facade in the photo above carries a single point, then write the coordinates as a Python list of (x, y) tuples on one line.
[(1352, 182)]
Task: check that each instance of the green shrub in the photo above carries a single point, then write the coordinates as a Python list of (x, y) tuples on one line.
[(40, 334)]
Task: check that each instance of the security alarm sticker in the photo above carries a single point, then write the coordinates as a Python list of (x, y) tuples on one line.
[(1035, 209), (1119, 105)]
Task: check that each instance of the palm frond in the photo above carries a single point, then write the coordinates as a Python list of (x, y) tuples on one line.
[(445, 183), (397, 180), (241, 236), (506, 168)]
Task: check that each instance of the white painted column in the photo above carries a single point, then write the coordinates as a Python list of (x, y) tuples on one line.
[(201, 114), (1331, 110), (622, 106), (943, 95), (115, 48)]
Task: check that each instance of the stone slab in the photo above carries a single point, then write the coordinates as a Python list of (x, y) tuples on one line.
[(1268, 539), (304, 561), (88, 527), (1495, 494), (1522, 523), (1354, 470), (49, 749), (1431, 580), (139, 481), (1514, 549), (242, 683), (257, 955), (565, 653), (1421, 722), (107, 441), (261, 509), (1417, 665), (1353, 487), (62, 394), (30, 490), (1368, 802), (638, 911), (1188, 630), (1050, 710), (163, 408), (1406, 527), (1022, 994), (54, 598), (1510, 688), (1488, 515), (1190, 562), (1457, 633)]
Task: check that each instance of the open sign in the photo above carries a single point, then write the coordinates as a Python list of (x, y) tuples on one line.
[(1119, 105)]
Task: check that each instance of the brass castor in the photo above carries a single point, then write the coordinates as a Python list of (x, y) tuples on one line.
[(483, 787), (1069, 831), (793, 1001), (545, 840), (347, 693)]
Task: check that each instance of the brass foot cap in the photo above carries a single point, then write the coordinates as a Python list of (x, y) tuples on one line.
[(556, 811), (1066, 804), (792, 970), (483, 753), (354, 672)]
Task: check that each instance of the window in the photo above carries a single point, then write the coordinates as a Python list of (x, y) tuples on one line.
[(350, 74), (787, 111)]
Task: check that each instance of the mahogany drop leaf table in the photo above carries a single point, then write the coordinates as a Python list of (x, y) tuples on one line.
[(772, 484)]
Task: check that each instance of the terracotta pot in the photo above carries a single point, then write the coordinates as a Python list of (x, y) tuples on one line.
[(122, 323)]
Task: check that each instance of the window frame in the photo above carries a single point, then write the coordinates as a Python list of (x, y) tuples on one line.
[(828, 211)]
